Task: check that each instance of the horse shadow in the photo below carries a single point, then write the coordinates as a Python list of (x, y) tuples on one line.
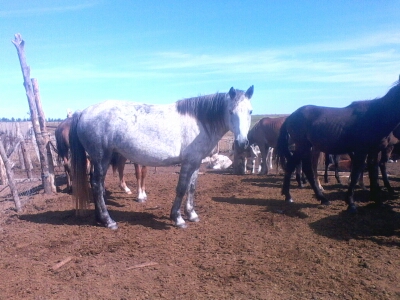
[(264, 181), (276, 206), (69, 218), (370, 223)]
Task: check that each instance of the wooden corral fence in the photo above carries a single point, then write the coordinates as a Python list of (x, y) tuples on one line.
[(16, 138)]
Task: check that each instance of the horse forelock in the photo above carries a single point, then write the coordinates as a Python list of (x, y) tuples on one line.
[(209, 110)]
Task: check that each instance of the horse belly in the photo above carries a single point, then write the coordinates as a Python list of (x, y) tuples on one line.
[(150, 152)]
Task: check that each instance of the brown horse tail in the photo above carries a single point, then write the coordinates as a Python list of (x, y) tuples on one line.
[(80, 185), (282, 152)]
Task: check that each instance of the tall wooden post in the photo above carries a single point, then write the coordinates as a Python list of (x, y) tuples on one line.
[(43, 129), (46, 178)]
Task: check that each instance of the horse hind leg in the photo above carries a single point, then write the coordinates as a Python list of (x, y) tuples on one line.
[(120, 164), (307, 164), (141, 172), (97, 183), (67, 168)]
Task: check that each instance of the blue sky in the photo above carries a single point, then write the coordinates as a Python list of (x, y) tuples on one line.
[(294, 52)]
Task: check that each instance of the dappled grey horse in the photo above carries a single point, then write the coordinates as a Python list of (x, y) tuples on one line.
[(183, 133)]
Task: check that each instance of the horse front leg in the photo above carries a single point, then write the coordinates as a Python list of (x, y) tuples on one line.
[(189, 209), (358, 162), (385, 154), (97, 182), (299, 176), (141, 172), (185, 175), (326, 179), (373, 172), (336, 164), (264, 158), (315, 154)]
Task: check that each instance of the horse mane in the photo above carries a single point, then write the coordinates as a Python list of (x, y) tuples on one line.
[(209, 110)]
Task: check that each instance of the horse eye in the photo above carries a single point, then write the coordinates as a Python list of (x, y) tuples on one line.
[(251, 112), (231, 111)]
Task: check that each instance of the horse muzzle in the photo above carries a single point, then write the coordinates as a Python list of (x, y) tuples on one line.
[(241, 144)]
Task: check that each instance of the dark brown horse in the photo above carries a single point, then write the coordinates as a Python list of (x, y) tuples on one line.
[(265, 135), (62, 142), (358, 128), (117, 162)]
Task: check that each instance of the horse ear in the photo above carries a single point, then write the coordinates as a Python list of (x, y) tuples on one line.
[(249, 92), (232, 93)]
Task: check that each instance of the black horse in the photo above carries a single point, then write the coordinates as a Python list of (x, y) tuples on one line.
[(359, 128)]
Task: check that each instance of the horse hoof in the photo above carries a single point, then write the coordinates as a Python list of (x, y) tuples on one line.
[(182, 225), (325, 202), (352, 209), (141, 200), (112, 226), (197, 219), (289, 200)]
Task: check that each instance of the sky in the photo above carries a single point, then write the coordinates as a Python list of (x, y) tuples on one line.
[(295, 53)]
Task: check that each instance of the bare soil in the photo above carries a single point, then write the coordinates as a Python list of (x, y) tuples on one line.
[(249, 243)]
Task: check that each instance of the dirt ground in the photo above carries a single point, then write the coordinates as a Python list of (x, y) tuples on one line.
[(249, 244)]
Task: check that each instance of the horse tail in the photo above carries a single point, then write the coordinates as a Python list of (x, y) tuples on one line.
[(80, 186), (282, 152)]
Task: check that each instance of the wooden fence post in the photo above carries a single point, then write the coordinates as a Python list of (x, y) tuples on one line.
[(46, 178), (3, 174), (45, 134)]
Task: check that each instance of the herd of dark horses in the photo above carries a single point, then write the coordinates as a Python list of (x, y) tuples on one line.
[(365, 130)]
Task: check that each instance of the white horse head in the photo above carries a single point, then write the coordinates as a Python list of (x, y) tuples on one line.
[(240, 110)]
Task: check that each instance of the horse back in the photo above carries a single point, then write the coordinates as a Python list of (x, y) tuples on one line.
[(151, 135), (266, 131)]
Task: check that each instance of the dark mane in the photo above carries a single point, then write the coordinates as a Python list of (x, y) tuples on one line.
[(209, 110), (363, 105)]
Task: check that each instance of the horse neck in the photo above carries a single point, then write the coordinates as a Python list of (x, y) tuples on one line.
[(389, 108)]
